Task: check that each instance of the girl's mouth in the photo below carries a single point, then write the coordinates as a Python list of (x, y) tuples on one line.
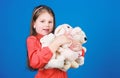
[(47, 30)]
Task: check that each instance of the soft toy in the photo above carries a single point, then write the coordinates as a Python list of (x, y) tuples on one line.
[(78, 38), (46, 40), (68, 55), (57, 60)]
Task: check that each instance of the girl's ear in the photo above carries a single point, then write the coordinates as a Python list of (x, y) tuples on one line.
[(34, 26)]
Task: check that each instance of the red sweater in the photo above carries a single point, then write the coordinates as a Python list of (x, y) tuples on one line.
[(39, 57)]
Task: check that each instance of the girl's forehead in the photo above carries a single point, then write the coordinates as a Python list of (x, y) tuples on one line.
[(45, 15), (44, 12)]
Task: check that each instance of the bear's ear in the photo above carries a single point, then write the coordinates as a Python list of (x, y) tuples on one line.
[(77, 28), (59, 31)]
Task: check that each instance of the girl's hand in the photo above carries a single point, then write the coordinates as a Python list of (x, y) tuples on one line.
[(76, 46), (60, 40)]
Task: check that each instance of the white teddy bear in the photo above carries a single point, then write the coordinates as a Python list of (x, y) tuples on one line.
[(57, 60), (54, 62), (78, 37), (68, 55)]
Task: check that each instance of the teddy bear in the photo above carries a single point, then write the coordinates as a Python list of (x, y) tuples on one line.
[(57, 60), (68, 55), (78, 37)]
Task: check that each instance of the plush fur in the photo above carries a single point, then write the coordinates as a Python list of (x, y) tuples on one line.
[(68, 55)]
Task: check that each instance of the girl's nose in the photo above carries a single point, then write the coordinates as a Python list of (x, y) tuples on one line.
[(47, 24)]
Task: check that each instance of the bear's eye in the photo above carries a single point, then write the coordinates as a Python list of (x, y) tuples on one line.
[(68, 27)]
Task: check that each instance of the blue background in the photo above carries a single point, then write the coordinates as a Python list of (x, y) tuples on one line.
[(100, 19)]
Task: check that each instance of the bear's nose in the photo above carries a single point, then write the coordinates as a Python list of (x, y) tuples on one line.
[(85, 39)]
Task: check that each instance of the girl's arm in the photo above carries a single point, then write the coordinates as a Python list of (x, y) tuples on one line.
[(37, 57)]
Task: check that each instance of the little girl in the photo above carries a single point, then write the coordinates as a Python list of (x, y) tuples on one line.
[(43, 23)]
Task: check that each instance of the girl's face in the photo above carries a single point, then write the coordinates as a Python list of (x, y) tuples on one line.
[(44, 23)]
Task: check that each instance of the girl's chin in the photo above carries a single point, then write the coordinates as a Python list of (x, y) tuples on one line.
[(46, 33)]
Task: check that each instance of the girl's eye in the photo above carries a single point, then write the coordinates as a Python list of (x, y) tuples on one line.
[(50, 21), (42, 21)]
